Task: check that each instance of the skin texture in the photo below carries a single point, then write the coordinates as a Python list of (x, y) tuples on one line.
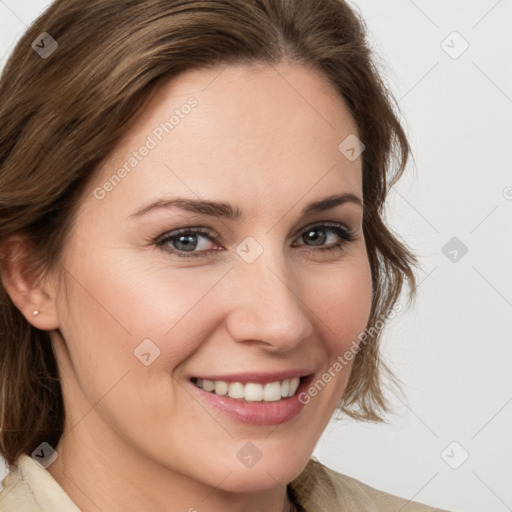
[(264, 139)]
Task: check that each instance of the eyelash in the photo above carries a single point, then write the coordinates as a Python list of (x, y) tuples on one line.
[(342, 231)]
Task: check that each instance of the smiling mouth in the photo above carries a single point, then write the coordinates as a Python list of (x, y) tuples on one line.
[(252, 391)]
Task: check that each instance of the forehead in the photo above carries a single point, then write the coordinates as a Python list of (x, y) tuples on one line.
[(257, 132)]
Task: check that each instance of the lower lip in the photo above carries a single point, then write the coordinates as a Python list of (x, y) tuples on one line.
[(257, 413)]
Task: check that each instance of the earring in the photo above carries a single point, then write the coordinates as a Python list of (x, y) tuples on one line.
[(36, 312)]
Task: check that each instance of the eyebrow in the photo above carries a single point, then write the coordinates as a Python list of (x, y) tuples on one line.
[(227, 211)]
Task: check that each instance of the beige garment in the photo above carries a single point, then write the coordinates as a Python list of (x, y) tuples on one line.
[(31, 488)]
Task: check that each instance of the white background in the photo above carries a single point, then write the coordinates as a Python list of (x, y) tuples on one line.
[(452, 349)]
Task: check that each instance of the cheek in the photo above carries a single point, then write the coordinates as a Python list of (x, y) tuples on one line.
[(110, 313), (342, 307), (113, 307), (342, 304)]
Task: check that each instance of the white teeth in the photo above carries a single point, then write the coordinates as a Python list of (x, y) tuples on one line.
[(285, 387), (236, 390), (208, 385), (221, 387), (272, 392), (294, 384), (252, 391)]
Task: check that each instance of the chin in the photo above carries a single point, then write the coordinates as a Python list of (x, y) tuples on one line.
[(263, 475)]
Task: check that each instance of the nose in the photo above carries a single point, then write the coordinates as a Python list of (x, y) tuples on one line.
[(266, 305)]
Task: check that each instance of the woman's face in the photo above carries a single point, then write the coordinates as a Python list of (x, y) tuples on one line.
[(147, 308)]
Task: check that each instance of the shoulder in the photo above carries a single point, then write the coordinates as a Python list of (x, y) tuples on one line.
[(29, 487), (319, 488)]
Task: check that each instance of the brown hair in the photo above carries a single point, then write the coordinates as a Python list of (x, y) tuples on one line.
[(60, 116)]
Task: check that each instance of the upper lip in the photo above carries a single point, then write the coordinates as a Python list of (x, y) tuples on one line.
[(258, 377)]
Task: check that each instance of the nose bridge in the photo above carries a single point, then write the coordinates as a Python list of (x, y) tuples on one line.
[(267, 304)]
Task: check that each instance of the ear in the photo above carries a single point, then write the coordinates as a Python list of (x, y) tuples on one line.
[(25, 287)]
